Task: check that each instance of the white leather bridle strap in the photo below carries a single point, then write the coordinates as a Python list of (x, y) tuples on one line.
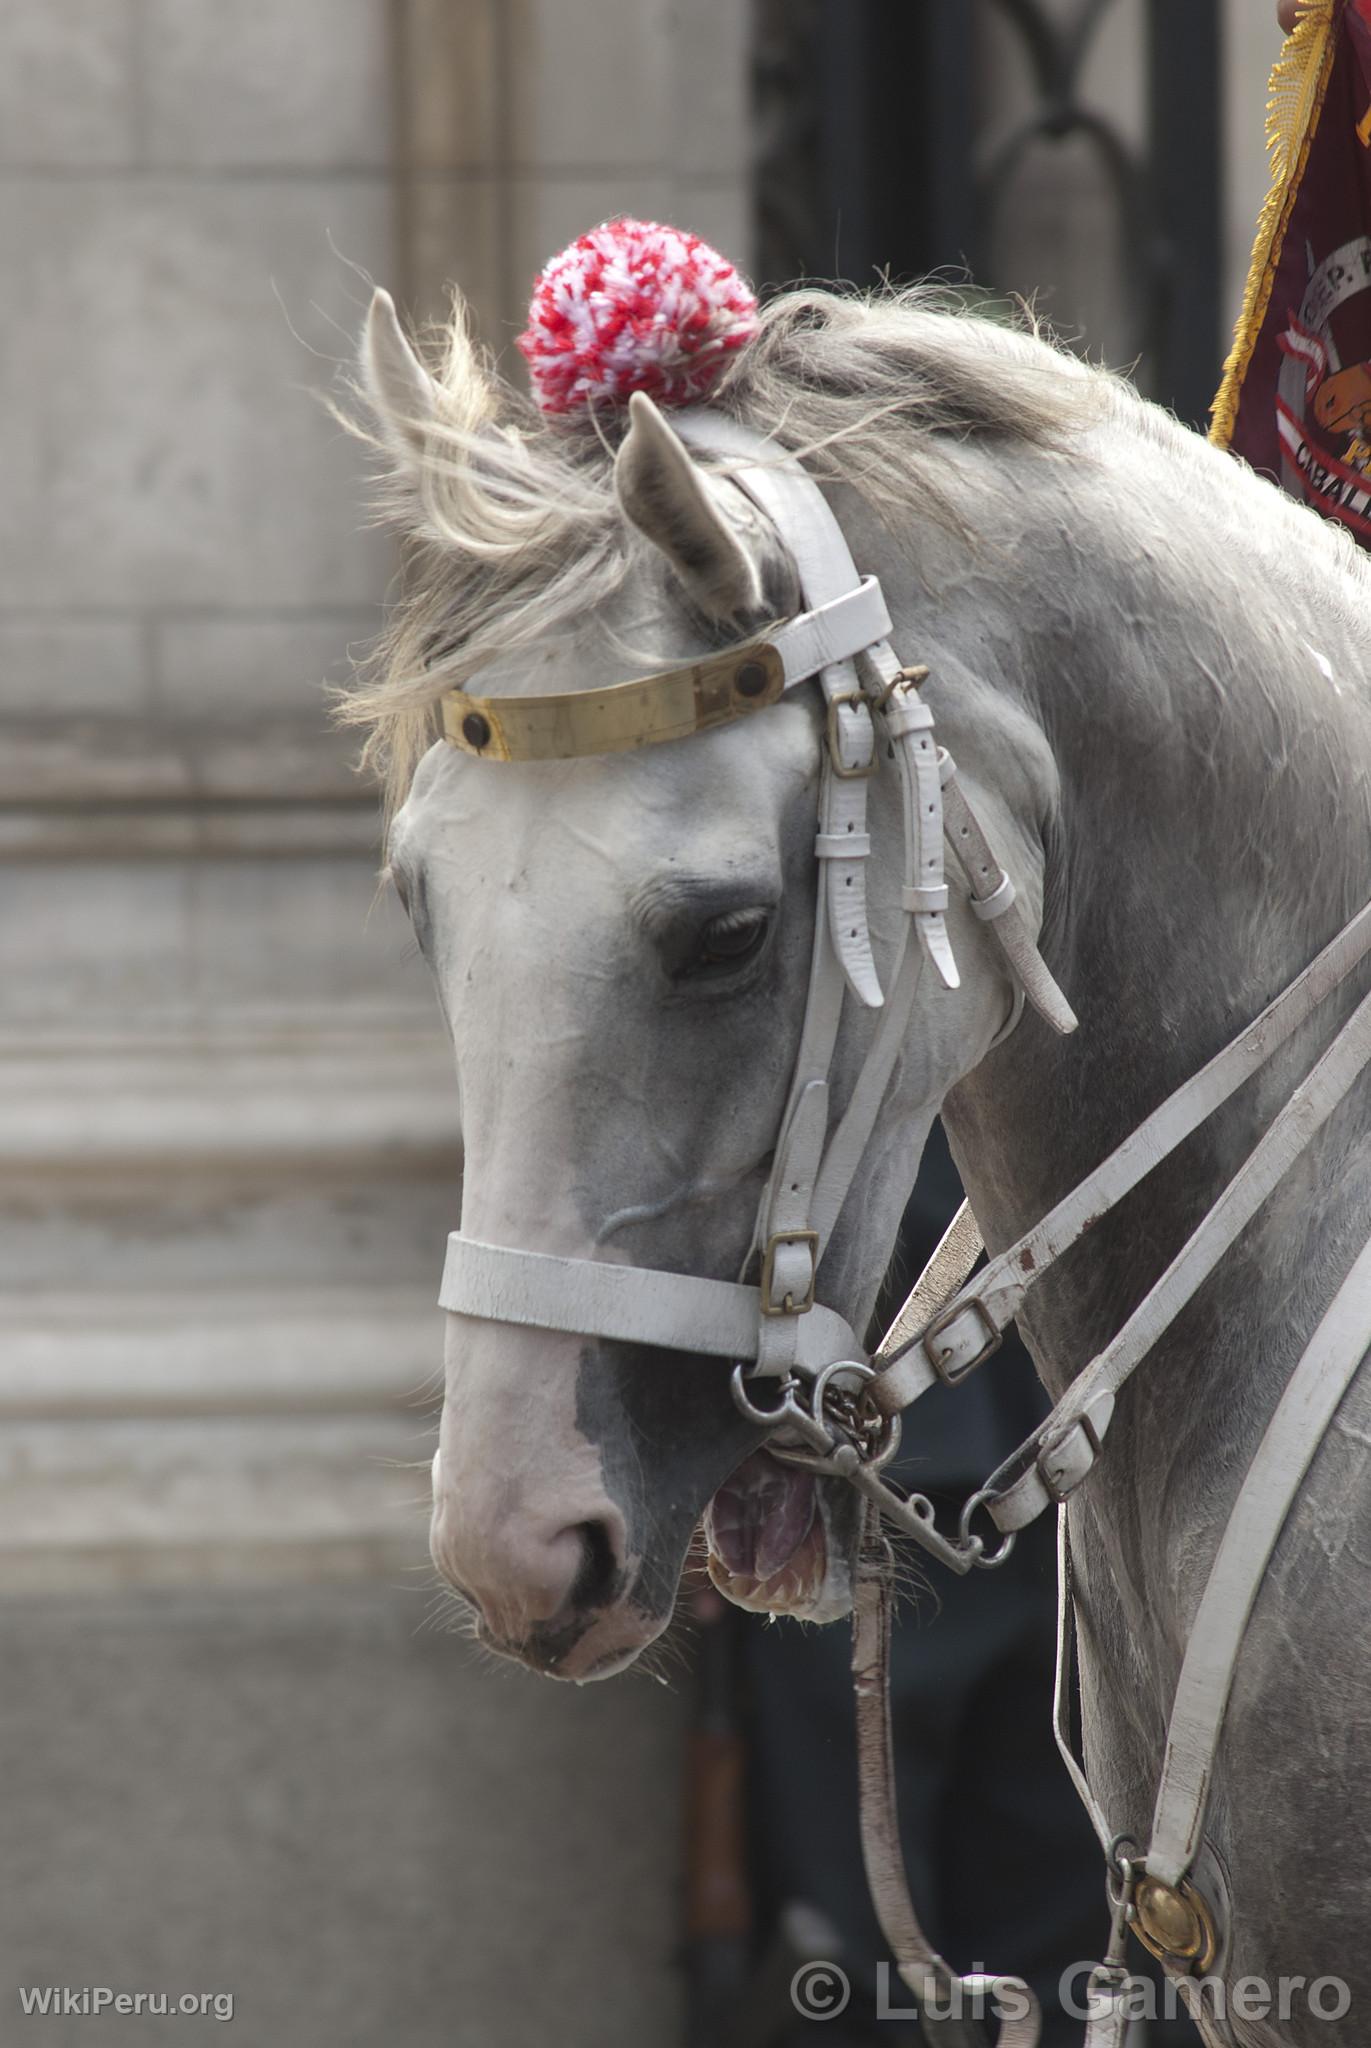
[(804, 520), (1064, 1448), (970, 1329), (908, 725), (833, 631), (626, 1304), (1305, 1409), (994, 902), (786, 1232)]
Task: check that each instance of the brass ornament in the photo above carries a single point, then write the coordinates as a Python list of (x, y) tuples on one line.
[(1174, 1924), (622, 717)]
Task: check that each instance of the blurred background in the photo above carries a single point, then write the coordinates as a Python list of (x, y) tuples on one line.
[(237, 1755)]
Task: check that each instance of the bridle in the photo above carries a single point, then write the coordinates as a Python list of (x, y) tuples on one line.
[(837, 1409), (774, 1327)]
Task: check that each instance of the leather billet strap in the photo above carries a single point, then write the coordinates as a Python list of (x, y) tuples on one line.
[(714, 691)]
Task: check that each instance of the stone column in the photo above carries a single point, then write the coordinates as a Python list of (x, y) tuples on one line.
[(226, 1141)]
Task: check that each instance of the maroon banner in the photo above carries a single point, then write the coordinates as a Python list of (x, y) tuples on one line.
[(1296, 397)]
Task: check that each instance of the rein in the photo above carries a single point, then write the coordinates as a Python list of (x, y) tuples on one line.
[(837, 1410)]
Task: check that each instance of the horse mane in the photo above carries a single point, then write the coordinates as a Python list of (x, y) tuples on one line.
[(514, 529)]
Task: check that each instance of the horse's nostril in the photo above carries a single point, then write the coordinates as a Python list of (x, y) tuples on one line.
[(595, 1581)]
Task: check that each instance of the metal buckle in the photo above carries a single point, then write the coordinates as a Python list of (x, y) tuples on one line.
[(789, 1307), (1060, 1489), (835, 756), (953, 1375)]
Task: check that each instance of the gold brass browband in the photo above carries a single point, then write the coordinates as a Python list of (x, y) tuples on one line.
[(622, 716)]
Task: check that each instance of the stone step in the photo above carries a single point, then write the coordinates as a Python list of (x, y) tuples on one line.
[(303, 1094), (153, 1439), (214, 1500), (83, 1356), (219, 1345)]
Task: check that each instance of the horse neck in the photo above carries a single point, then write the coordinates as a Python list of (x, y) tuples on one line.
[(1213, 831)]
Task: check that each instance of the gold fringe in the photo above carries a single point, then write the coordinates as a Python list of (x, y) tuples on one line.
[(1299, 82)]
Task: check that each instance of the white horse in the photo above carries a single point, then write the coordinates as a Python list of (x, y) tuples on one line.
[(1151, 669)]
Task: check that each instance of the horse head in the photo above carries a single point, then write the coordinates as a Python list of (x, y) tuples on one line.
[(622, 945)]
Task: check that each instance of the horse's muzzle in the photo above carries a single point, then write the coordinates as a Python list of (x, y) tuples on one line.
[(546, 1591)]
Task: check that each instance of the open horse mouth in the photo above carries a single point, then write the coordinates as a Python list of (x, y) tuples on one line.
[(768, 1542)]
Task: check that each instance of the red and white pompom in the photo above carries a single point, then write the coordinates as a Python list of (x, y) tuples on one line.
[(634, 306)]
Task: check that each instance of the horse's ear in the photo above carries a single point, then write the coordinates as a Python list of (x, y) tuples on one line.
[(400, 390), (673, 502)]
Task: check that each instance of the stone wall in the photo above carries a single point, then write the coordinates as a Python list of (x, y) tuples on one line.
[(227, 1122), (526, 121), (226, 1144)]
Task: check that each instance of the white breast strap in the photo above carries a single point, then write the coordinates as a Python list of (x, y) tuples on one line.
[(626, 1304), (1305, 1409)]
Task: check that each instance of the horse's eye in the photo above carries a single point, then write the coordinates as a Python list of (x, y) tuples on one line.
[(725, 943)]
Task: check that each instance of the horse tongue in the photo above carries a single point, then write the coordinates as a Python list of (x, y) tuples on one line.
[(759, 1518)]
